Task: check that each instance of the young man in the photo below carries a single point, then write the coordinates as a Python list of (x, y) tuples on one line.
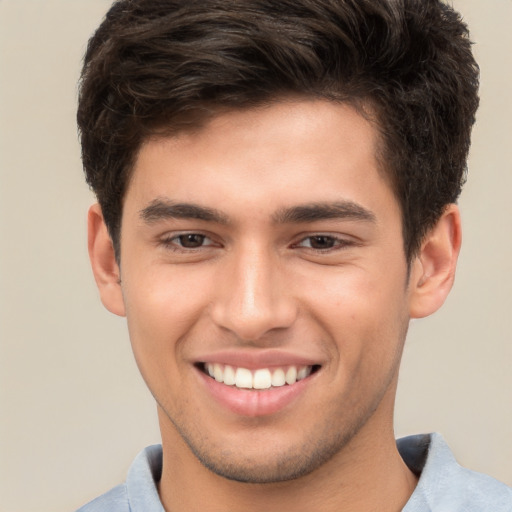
[(276, 187)]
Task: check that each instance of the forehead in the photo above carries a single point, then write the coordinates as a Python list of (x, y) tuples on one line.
[(287, 152)]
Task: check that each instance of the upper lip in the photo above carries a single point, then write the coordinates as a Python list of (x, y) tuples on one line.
[(258, 358)]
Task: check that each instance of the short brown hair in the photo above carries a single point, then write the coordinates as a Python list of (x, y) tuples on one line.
[(156, 65)]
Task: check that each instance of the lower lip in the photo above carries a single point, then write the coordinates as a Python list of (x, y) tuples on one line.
[(254, 402)]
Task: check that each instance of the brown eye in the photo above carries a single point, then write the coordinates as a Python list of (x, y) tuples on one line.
[(191, 241), (324, 242), (321, 242)]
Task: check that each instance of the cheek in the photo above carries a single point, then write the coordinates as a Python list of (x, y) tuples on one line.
[(364, 312), (368, 327), (356, 293), (161, 308)]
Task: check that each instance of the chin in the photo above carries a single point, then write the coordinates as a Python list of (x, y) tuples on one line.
[(273, 464)]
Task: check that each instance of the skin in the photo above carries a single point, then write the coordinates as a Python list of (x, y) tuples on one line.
[(260, 280)]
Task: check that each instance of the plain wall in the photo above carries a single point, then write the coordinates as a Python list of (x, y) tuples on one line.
[(74, 410)]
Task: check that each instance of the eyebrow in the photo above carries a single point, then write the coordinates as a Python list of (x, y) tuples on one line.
[(324, 211), (161, 209)]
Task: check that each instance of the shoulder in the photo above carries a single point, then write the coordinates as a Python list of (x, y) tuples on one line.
[(140, 491), (445, 485), (115, 500), (479, 492)]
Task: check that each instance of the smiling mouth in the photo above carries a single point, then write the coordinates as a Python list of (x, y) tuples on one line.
[(260, 379)]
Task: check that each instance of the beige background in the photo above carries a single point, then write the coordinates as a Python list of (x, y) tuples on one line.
[(73, 409)]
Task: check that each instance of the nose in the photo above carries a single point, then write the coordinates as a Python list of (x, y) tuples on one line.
[(252, 297)]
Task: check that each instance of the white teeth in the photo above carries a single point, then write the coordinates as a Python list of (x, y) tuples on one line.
[(291, 375), (229, 375), (218, 374), (262, 378), (243, 378), (278, 378), (304, 372)]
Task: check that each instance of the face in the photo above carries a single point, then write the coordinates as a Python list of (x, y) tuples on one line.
[(265, 285)]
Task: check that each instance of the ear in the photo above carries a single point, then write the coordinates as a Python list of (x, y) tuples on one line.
[(104, 265), (433, 269)]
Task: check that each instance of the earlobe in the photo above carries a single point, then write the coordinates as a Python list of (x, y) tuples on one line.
[(104, 265), (433, 269)]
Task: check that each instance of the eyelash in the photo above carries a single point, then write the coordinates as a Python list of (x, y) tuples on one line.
[(175, 242), (337, 243)]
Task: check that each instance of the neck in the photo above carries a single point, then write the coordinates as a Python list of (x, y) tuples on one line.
[(367, 475)]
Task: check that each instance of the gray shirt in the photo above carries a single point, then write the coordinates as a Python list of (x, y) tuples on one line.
[(444, 486)]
